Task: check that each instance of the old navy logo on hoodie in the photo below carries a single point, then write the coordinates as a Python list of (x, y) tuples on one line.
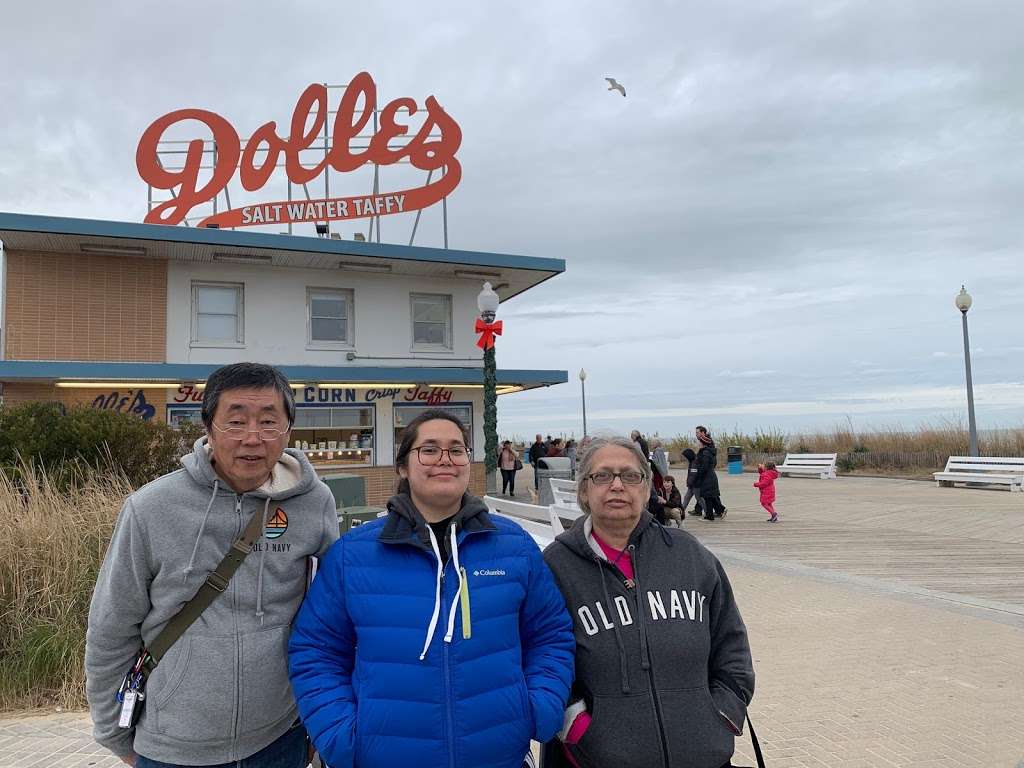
[(275, 528), (663, 605)]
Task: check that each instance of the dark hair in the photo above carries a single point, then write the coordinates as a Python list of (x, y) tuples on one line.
[(412, 432), (703, 429), (669, 477), (245, 375), (769, 465)]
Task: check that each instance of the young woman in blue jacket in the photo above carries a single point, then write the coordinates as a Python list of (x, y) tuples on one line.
[(434, 636)]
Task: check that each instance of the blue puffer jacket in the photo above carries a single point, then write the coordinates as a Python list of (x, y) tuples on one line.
[(395, 664)]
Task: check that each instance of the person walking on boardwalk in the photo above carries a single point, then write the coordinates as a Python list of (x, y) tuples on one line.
[(766, 477), (707, 479), (692, 489), (509, 464)]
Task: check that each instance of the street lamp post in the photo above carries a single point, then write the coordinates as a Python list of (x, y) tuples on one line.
[(487, 303), (583, 393), (963, 303)]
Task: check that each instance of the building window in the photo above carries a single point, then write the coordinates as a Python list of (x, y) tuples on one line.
[(335, 436), (329, 313), (431, 321), (184, 414), (403, 414), (217, 313)]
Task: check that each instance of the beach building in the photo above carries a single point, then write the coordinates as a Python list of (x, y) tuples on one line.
[(134, 317)]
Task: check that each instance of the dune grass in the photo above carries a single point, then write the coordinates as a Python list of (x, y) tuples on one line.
[(891, 449), (57, 533)]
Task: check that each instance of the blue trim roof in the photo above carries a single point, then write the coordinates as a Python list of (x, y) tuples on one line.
[(20, 222), (28, 370)]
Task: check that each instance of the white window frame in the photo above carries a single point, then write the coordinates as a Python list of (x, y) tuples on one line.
[(350, 313), (239, 340), (447, 346)]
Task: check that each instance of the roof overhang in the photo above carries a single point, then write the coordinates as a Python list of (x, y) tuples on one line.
[(509, 274), (96, 374)]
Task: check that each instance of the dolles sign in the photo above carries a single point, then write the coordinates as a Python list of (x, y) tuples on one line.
[(257, 161)]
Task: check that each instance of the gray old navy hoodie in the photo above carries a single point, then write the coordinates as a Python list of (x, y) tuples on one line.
[(662, 660), (221, 693)]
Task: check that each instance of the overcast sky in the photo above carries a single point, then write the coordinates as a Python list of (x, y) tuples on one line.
[(768, 231)]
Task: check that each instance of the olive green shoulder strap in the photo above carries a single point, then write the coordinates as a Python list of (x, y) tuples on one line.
[(215, 583)]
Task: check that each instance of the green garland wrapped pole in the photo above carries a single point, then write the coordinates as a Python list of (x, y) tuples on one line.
[(490, 420), (488, 329)]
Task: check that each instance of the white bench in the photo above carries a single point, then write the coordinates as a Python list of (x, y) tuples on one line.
[(563, 492), (994, 470), (542, 523), (822, 465)]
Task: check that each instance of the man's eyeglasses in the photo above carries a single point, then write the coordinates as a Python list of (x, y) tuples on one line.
[(267, 434), (629, 477), (430, 455)]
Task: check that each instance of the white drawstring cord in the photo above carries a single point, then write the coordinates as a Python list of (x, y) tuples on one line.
[(437, 594), (458, 592), (199, 536)]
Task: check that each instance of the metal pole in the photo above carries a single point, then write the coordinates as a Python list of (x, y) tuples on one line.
[(327, 165), (214, 165), (444, 212), (376, 174), (416, 221), (583, 389), (972, 424)]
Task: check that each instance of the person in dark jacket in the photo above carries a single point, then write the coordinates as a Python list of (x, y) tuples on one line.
[(664, 673), (673, 502), (707, 479), (538, 450), (435, 635), (692, 490)]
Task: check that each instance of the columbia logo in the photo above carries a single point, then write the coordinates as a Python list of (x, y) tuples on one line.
[(489, 572)]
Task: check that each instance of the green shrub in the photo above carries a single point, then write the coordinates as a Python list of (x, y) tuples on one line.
[(69, 442)]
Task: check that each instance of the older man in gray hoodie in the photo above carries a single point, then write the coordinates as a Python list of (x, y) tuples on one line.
[(220, 694)]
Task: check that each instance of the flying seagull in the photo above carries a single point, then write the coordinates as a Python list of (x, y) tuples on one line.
[(615, 86)]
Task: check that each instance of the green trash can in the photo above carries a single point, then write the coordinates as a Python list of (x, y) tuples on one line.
[(349, 490), (350, 517)]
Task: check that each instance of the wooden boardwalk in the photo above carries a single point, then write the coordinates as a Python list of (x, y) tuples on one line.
[(954, 544)]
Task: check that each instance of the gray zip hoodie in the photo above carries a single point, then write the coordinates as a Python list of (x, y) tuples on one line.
[(221, 693), (662, 659)]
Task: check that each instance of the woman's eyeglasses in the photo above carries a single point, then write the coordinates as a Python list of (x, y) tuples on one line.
[(430, 455), (629, 477)]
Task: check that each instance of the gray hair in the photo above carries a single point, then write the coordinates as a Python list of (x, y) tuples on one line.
[(586, 463)]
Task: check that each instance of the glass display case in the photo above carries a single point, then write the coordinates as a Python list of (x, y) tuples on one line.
[(335, 436)]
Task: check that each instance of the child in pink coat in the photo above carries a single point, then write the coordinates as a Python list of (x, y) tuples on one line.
[(766, 476)]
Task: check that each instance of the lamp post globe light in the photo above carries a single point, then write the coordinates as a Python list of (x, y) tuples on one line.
[(583, 393), (963, 302), (487, 303)]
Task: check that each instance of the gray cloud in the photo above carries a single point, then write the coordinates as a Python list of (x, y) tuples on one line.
[(793, 189)]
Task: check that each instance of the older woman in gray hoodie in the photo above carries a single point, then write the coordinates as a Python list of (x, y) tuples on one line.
[(663, 667)]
